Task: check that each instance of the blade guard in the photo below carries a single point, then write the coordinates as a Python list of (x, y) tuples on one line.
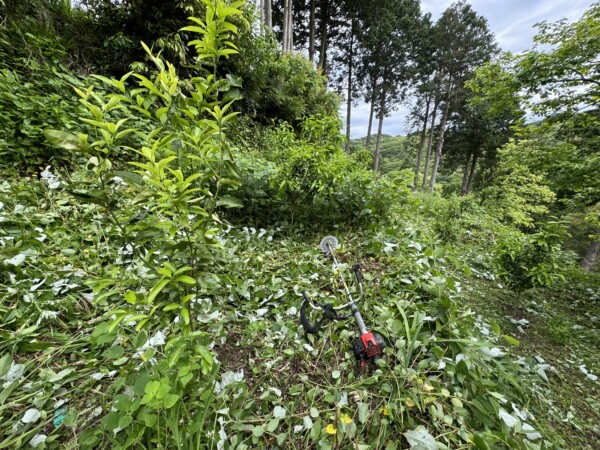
[(327, 244)]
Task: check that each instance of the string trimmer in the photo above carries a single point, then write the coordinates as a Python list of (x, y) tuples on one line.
[(368, 348)]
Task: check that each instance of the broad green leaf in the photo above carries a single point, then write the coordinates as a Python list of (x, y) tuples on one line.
[(185, 279), (421, 439), (511, 340), (229, 202), (272, 425), (171, 400), (363, 412), (156, 289), (62, 139)]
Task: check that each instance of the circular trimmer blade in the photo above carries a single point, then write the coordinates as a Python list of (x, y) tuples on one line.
[(328, 243)]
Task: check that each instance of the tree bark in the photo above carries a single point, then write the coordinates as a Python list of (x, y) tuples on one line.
[(379, 131), (291, 27), (472, 172), (261, 8), (371, 114), (465, 179), (429, 144), (288, 27), (324, 22), (268, 15), (311, 33), (589, 260), (349, 100), (286, 11), (440, 143), (421, 143)]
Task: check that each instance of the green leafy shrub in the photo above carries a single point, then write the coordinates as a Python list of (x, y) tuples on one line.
[(451, 217), (314, 175), (36, 94), (279, 87), (517, 195), (165, 214), (462, 219), (533, 260)]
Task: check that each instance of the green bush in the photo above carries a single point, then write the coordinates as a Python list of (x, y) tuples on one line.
[(321, 185), (462, 219), (36, 94), (279, 87), (164, 212), (533, 260)]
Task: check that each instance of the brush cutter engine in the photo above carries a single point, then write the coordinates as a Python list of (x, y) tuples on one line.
[(368, 348)]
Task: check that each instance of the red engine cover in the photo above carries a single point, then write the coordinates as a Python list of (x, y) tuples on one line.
[(370, 344)]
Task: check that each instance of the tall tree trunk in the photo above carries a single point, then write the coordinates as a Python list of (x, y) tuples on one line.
[(324, 23), (465, 179), (349, 100), (268, 15), (472, 172), (371, 114), (421, 143), (429, 143), (440, 143), (288, 27), (291, 27), (286, 11), (311, 33), (261, 9), (589, 260), (379, 131)]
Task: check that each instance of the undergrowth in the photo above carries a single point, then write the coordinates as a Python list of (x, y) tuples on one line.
[(71, 379)]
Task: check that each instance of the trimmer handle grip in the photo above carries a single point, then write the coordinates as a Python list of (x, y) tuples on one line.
[(308, 327), (357, 273)]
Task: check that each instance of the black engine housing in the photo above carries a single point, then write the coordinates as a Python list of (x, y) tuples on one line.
[(361, 353)]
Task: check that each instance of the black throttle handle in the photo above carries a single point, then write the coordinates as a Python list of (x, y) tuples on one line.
[(304, 318), (357, 273), (328, 313)]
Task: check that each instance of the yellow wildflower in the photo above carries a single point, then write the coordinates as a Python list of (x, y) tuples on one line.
[(331, 429), (385, 411), (345, 418)]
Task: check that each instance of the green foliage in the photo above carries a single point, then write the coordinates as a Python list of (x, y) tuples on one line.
[(315, 175), (460, 219), (562, 64), (558, 80), (496, 89), (308, 170), (280, 87), (517, 194), (533, 260), (165, 213), (559, 331), (36, 94), (397, 152)]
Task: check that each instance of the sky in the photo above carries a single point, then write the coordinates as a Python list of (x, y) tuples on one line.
[(510, 20)]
